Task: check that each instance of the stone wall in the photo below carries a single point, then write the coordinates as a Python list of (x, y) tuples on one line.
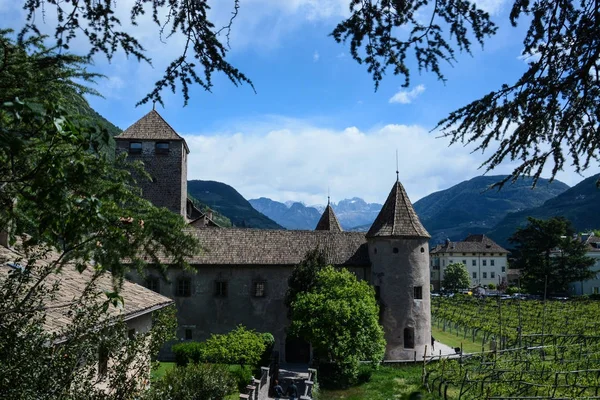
[(205, 313), (168, 171)]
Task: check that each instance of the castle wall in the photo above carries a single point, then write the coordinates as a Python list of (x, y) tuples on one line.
[(168, 172), (205, 313), (398, 266)]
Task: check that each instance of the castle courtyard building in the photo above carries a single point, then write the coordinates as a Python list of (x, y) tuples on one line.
[(240, 275)]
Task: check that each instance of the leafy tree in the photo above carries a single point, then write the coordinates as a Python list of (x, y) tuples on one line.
[(548, 255), (304, 276), (456, 277), (339, 317), (58, 186), (69, 205)]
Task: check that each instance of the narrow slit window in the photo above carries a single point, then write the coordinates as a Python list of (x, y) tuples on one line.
[(409, 338), (188, 334)]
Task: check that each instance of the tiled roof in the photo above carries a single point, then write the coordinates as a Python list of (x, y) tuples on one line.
[(238, 246), (329, 221), (397, 217), (151, 127), (137, 299), (203, 221), (472, 244)]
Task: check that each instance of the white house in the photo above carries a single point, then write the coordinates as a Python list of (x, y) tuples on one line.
[(591, 286), (486, 261)]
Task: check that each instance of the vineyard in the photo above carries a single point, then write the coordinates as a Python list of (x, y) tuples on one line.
[(536, 350)]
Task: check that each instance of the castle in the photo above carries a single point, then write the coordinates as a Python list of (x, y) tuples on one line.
[(241, 274)]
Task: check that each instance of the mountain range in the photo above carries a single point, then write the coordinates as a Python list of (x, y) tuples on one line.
[(295, 215), (473, 206)]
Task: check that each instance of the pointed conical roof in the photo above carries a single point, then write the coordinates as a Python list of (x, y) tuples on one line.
[(151, 126), (328, 221), (397, 217)]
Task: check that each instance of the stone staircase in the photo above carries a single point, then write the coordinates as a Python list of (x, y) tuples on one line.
[(258, 389)]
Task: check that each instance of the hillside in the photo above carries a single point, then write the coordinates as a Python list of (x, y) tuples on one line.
[(469, 207), (228, 202), (579, 204)]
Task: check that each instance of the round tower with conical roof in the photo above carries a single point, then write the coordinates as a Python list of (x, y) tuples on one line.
[(399, 253)]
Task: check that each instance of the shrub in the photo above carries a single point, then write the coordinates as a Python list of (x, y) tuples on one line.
[(189, 352), (512, 290), (339, 375), (364, 373), (491, 286), (242, 376), (240, 346), (194, 382)]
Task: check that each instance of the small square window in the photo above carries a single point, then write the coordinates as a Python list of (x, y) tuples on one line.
[(492, 262), (503, 269), (184, 287), (161, 148), (464, 262), (259, 289), (484, 263), (188, 334), (395, 250), (474, 263), (484, 275), (450, 262), (153, 283), (221, 288), (418, 292), (492, 274), (135, 147), (474, 275), (596, 289)]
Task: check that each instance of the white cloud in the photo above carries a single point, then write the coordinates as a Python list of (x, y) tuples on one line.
[(494, 7), (287, 159), (316, 56), (405, 96)]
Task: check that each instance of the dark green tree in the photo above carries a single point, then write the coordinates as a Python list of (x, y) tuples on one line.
[(304, 276), (549, 256), (456, 277), (339, 316)]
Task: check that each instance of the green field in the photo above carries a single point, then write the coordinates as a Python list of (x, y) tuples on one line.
[(386, 383)]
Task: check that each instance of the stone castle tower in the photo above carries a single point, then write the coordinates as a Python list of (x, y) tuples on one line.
[(164, 154), (399, 253)]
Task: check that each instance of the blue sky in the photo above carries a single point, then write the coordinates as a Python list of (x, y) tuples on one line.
[(315, 122)]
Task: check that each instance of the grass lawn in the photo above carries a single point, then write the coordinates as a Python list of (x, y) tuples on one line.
[(452, 340), (162, 369), (386, 383)]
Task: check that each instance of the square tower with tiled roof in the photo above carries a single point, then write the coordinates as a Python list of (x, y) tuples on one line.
[(164, 154)]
